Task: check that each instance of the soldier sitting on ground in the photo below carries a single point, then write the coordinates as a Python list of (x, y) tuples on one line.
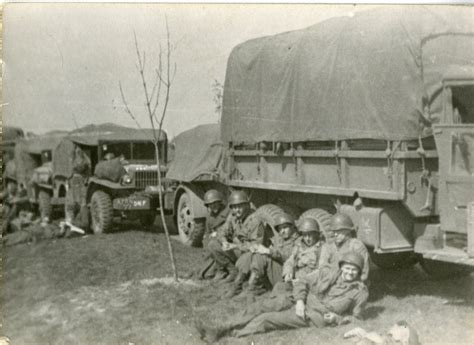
[(15, 200), (242, 232), (343, 241), (328, 297), (217, 216), (267, 263)]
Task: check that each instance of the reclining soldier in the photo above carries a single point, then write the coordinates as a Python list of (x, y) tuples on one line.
[(241, 232), (217, 215), (342, 241), (328, 297)]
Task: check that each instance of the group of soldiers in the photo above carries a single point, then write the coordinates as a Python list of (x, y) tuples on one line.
[(313, 279)]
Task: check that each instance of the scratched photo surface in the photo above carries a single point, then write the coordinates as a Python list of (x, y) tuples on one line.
[(237, 174)]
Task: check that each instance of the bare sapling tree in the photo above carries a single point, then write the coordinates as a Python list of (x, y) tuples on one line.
[(156, 105)]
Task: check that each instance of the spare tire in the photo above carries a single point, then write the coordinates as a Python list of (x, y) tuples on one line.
[(322, 217), (269, 213)]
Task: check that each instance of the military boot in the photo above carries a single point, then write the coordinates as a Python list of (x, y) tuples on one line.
[(237, 286), (256, 286), (233, 273)]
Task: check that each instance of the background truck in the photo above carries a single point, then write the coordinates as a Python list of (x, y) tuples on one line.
[(133, 194), (33, 160), (372, 115)]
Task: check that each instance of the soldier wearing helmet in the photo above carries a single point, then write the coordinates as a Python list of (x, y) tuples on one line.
[(305, 254), (267, 262), (238, 235), (216, 218), (342, 229), (330, 297)]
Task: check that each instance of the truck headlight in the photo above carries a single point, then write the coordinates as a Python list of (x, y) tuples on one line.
[(126, 179)]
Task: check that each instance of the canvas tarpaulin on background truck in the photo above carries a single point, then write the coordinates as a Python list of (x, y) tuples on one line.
[(198, 151), (373, 75)]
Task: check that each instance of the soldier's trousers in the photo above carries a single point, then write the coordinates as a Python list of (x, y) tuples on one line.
[(277, 320), (265, 266), (75, 197), (224, 258)]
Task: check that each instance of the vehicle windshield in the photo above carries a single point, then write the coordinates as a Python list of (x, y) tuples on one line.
[(134, 152)]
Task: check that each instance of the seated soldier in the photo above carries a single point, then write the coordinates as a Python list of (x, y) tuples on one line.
[(324, 298), (15, 200), (267, 263), (342, 229), (241, 232), (304, 257), (217, 215)]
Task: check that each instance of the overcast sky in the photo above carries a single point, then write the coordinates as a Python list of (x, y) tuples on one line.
[(63, 62)]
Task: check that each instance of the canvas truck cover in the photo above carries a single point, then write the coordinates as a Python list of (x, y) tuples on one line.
[(90, 136), (367, 76), (198, 151), (25, 162)]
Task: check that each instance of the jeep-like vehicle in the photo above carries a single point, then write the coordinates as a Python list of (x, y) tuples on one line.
[(130, 193)]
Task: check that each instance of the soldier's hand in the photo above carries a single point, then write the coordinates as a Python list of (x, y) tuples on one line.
[(300, 309), (261, 249), (213, 234), (287, 278), (330, 318)]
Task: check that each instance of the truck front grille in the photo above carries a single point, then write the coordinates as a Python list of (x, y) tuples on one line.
[(144, 179)]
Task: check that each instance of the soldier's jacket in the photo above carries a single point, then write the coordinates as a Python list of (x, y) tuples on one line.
[(325, 291), (331, 254), (214, 222), (303, 259), (280, 249), (243, 232)]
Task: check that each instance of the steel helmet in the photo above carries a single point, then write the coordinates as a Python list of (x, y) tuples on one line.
[(352, 258), (308, 225), (212, 196), (284, 218), (341, 221), (238, 197)]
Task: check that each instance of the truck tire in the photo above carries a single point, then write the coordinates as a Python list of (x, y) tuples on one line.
[(322, 217), (268, 213), (101, 212), (289, 209), (191, 231), (393, 261), (444, 270), (44, 204)]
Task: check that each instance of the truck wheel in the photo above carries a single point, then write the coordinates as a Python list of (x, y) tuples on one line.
[(322, 217), (393, 261), (443, 270), (101, 212), (191, 231), (268, 213), (44, 204)]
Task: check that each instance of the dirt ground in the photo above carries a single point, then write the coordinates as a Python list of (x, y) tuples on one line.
[(116, 289)]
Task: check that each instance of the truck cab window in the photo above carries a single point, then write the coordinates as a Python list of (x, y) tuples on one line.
[(463, 104)]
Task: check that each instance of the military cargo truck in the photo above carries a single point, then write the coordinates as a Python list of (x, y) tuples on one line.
[(33, 160), (372, 115), (131, 192)]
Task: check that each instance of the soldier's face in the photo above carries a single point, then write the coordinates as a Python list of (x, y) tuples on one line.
[(285, 231), (214, 207), (310, 238), (349, 272), (240, 210), (341, 236)]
